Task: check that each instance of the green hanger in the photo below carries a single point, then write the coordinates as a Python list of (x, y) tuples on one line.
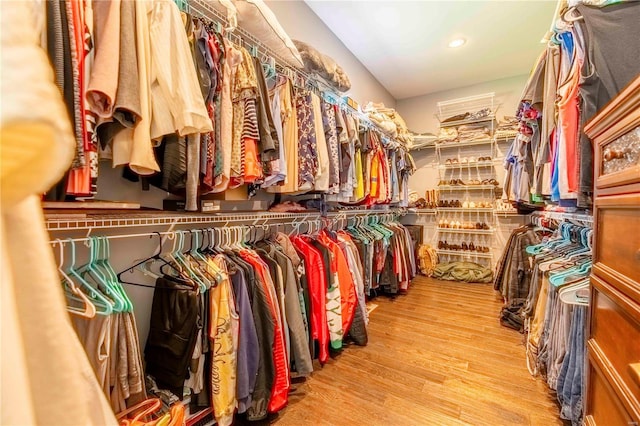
[(91, 270), (103, 305), (103, 261)]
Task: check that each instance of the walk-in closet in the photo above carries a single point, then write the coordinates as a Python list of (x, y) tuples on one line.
[(306, 212)]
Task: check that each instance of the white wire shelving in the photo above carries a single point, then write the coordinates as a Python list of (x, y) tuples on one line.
[(443, 145), (466, 165), (463, 210), (464, 253), (421, 212), (58, 222), (466, 187), (466, 231)]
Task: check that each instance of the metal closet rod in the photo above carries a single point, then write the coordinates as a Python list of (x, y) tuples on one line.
[(295, 224)]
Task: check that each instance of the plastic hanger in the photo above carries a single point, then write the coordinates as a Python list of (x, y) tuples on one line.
[(197, 262), (72, 292), (91, 270), (182, 261), (103, 255), (570, 294), (558, 279), (143, 266), (103, 305)]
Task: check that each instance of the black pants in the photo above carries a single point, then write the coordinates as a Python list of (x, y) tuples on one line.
[(175, 320)]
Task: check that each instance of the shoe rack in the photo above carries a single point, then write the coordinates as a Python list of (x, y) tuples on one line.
[(467, 187)]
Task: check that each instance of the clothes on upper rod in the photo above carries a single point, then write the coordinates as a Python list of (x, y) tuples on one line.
[(586, 64), (160, 92)]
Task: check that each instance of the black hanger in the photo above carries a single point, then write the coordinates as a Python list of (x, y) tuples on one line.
[(155, 256)]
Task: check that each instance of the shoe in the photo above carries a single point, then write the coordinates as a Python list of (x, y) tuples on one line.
[(465, 160), (485, 226), (460, 182), (448, 162), (454, 161), (472, 247), (478, 225), (465, 205), (493, 182), (472, 160), (472, 205), (445, 224)]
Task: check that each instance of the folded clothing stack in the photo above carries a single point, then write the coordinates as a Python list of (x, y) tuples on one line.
[(507, 128), (447, 135), (390, 122), (473, 132)]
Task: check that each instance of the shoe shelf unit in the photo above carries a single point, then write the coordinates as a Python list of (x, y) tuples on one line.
[(467, 174)]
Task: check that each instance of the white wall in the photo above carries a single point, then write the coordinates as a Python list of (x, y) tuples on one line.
[(420, 112), (301, 23)]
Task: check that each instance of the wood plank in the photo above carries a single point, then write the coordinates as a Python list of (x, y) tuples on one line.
[(437, 356)]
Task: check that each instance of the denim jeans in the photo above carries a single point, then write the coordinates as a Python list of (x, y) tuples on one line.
[(571, 377)]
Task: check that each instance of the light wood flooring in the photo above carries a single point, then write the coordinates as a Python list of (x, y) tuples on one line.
[(436, 356)]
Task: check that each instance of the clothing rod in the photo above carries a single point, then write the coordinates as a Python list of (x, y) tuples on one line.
[(578, 217)]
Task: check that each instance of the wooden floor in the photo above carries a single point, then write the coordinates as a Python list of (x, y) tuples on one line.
[(437, 356)]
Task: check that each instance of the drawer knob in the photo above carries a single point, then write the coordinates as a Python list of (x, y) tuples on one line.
[(634, 369)]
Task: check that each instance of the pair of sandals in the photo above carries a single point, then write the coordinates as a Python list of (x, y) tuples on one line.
[(483, 182), (451, 182), (481, 159), (449, 204), (454, 224)]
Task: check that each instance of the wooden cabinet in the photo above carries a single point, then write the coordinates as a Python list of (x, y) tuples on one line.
[(613, 348)]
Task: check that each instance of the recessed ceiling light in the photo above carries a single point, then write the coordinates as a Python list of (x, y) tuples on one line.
[(457, 42)]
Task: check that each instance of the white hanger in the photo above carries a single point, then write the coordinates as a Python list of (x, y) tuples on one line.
[(89, 308)]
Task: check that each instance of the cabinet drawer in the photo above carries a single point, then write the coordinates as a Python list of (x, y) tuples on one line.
[(619, 160), (615, 328), (603, 407), (618, 237)]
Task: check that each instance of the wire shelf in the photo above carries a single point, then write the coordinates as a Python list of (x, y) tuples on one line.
[(467, 165), (443, 145), (457, 123), (466, 231), (463, 210), (467, 187), (421, 212), (504, 139), (508, 213), (142, 220), (464, 253)]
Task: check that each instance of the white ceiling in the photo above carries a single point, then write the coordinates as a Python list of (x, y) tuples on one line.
[(404, 43)]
